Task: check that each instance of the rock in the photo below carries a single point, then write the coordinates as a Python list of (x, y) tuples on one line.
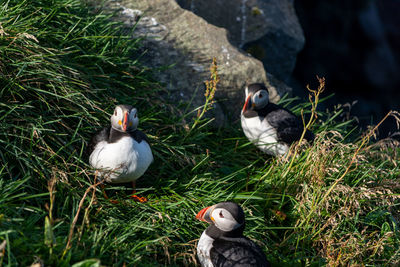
[(354, 45), (381, 65), (269, 30), (187, 43)]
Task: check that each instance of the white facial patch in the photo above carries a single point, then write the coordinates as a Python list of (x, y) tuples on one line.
[(133, 114), (261, 98), (116, 118), (118, 113), (224, 220), (133, 119)]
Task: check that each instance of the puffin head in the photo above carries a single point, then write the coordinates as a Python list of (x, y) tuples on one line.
[(226, 216), (124, 118), (257, 97)]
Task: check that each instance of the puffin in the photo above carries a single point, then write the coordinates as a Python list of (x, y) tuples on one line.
[(223, 243), (120, 152), (270, 127)]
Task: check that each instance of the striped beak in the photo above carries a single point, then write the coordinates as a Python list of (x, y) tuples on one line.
[(125, 122), (204, 215), (247, 104)]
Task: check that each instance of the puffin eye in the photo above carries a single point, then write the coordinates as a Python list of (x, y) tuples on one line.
[(221, 215), (260, 95), (115, 112), (135, 115)]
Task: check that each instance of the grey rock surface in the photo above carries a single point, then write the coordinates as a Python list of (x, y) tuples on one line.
[(269, 30), (187, 43)]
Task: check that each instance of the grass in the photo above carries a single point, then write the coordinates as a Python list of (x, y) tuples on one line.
[(63, 68)]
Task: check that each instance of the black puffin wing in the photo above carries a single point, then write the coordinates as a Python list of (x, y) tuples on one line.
[(139, 136), (102, 135), (245, 253), (289, 127)]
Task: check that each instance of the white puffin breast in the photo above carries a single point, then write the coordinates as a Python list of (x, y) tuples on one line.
[(263, 135), (123, 161), (203, 250)]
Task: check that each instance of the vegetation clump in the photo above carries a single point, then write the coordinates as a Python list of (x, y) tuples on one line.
[(63, 68)]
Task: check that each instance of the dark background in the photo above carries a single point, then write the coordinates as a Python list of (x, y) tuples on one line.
[(355, 46)]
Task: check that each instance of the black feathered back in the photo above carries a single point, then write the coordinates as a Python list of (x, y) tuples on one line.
[(289, 127), (238, 252)]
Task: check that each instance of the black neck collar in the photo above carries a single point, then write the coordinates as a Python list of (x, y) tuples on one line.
[(116, 135), (128, 132), (260, 112), (216, 233)]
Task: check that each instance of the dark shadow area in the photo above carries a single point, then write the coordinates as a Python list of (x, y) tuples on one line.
[(355, 46)]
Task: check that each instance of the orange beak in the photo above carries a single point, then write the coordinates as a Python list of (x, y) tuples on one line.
[(201, 214), (125, 122), (246, 104)]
